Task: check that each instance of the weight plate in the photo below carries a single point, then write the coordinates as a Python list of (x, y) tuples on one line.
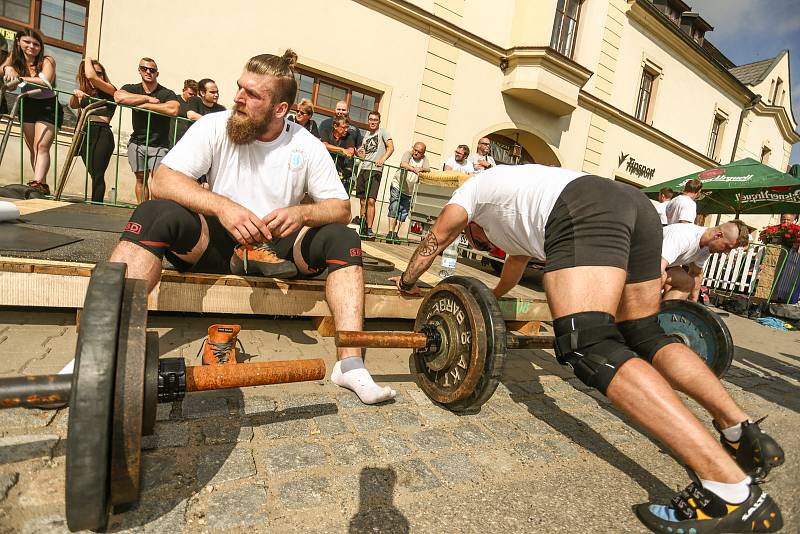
[(92, 401), (465, 371), (701, 329), (150, 384), (126, 440), (371, 263)]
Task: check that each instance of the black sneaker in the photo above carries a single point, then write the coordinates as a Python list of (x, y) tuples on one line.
[(696, 510), (755, 452), (356, 220)]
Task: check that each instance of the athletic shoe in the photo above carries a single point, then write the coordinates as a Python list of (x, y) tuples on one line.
[(219, 348), (755, 452), (261, 259), (356, 220), (391, 237), (696, 510), (42, 187)]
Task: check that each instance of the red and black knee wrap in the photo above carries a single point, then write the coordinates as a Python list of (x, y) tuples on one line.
[(162, 225), (334, 246), (646, 336)]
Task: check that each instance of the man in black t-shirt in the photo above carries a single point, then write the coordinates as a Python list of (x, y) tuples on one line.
[(341, 111), (178, 127), (341, 145), (205, 102), (147, 147)]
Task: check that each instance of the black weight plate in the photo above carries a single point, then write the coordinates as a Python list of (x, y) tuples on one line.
[(92, 401), (486, 346), (371, 263), (701, 329), (126, 440), (150, 384)]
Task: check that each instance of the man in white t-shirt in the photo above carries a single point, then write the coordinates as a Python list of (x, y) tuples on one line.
[(689, 245), (683, 208), (482, 159), (664, 196), (459, 161), (601, 243), (251, 220)]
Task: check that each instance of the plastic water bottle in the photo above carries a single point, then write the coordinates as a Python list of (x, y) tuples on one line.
[(449, 260)]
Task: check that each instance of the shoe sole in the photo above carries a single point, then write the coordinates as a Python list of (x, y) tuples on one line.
[(284, 269)]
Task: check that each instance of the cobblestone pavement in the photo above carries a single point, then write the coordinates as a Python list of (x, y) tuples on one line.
[(544, 455)]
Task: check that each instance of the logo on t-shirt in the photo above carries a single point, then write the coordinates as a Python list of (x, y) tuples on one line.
[(371, 145), (295, 160)]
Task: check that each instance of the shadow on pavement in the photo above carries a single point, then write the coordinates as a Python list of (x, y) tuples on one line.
[(763, 375), (376, 509)]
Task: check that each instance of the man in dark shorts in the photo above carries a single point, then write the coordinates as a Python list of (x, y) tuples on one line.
[(250, 220), (601, 243), (146, 151)]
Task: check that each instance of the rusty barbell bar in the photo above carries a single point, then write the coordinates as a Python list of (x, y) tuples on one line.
[(420, 340), (207, 377)]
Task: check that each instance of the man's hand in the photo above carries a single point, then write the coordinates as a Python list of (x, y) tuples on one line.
[(153, 100), (283, 221), (242, 224), (484, 164), (413, 292), (361, 153)]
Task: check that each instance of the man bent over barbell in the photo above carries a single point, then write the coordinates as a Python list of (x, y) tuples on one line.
[(601, 242), (259, 167)]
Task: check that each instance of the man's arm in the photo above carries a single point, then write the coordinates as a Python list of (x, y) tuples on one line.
[(284, 221), (242, 223), (447, 227), (695, 272), (512, 272), (123, 97), (170, 108), (389, 152), (664, 265)]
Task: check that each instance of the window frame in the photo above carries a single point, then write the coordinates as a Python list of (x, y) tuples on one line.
[(340, 83), (559, 20), (766, 152), (776, 91), (34, 17), (651, 94), (718, 124)]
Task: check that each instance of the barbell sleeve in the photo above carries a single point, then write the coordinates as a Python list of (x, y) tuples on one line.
[(42, 391), (385, 339), (514, 341), (208, 377)]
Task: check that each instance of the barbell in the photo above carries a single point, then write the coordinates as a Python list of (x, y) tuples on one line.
[(460, 341)]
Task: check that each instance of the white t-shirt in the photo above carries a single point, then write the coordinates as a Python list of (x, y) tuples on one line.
[(261, 176), (681, 208), (512, 204), (475, 157), (681, 245), (465, 167), (661, 208)]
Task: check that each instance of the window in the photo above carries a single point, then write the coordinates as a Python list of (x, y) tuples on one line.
[(565, 26), (765, 153), (777, 92), (715, 141), (62, 24), (644, 102), (324, 92)]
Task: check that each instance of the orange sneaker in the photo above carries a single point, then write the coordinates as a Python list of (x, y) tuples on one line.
[(42, 187), (219, 348), (261, 259)]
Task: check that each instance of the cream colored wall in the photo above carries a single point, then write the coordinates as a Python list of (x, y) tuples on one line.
[(491, 20), (590, 39), (685, 101), (781, 70), (762, 131)]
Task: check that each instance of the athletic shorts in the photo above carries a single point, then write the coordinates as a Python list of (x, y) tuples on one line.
[(399, 204), (368, 179), (137, 154), (600, 222)]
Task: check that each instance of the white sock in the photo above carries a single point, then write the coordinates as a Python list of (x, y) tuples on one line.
[(350, 373), (734, 433), (732, 493)]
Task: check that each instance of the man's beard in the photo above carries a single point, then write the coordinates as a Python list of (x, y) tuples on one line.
[(243, 129)]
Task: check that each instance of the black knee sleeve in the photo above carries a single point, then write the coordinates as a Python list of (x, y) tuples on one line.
[(646, 336), (334, 246), (591, 344), (162, 225)]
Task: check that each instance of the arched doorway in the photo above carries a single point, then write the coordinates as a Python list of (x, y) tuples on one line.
[(518, 147)]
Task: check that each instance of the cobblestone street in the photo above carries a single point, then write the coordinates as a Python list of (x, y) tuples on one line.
[(545, 454)]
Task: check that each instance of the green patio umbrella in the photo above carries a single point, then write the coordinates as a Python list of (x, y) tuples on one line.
[(744, 186)]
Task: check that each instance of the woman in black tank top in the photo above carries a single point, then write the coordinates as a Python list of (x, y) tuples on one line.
[(98, 141)]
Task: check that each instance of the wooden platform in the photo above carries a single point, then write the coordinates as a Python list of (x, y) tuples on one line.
[(59, 284)]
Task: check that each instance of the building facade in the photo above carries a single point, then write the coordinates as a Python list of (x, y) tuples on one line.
[(628, 89)]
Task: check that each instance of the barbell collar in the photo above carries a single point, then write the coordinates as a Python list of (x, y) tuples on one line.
[(381, 339), (208, 377), (42, 391)]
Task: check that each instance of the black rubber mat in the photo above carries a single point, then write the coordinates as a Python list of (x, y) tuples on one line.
[(83, 217), (20, 238)]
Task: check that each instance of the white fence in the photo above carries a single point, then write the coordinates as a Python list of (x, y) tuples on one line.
[(734, 271)]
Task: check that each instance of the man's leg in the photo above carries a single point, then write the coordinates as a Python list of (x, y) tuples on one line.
[(678, 285), (338, 248)]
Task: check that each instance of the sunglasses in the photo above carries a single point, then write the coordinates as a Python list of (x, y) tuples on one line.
[(301, 113), (151, 70)]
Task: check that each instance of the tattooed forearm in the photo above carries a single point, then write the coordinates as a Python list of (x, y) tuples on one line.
[(422, 258)]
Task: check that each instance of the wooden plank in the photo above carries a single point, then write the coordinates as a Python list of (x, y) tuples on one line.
[(525, 328), (324, 326)]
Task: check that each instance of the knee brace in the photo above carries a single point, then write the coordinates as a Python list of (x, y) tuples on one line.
[(646, 336), (334, 246), (591, 344), (161, 225)]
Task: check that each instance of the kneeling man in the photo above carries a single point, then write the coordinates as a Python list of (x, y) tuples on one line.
[(601, 242), (689, 245), (259, 167)]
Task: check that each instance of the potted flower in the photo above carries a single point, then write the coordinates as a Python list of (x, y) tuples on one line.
[(785, 235)]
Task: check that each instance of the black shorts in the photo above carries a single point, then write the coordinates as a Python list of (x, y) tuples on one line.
[(371, 179), (600, 222), (41, 110)]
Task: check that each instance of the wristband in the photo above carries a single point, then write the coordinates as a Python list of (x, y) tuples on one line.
[(404, 285)]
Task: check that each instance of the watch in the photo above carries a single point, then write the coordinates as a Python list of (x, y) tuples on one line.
[(404, 285)]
